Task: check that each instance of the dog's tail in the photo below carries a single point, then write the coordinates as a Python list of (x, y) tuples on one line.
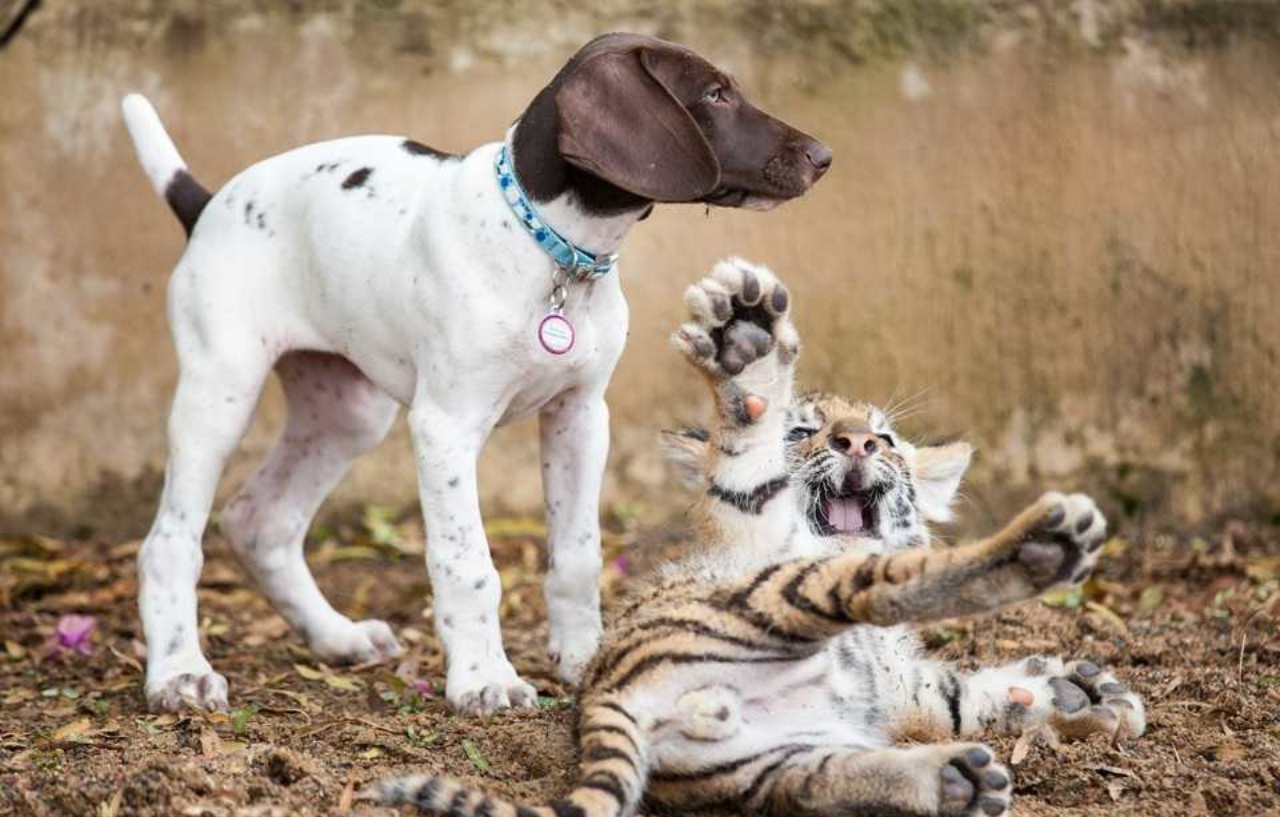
[(611, 780), (160, 159)]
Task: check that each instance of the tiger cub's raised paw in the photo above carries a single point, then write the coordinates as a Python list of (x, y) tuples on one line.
[(1060, 539), (738, 315)]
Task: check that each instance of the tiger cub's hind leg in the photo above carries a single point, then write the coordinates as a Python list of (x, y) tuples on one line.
[(1077, 698), (938, 780)]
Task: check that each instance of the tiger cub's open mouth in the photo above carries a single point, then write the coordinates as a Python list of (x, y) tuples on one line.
[(847, 512)]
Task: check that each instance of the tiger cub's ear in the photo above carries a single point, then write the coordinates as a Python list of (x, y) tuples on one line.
[(938, 469), (686, 453)]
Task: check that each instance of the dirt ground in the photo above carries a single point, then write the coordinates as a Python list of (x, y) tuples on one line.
[(1191, 623)]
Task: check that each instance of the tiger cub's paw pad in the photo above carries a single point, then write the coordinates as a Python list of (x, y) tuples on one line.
[(973, 784), (1061, 546), (1093, 700), (738, 316)]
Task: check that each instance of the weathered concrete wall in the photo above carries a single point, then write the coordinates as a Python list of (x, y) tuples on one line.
[(1055, 225)]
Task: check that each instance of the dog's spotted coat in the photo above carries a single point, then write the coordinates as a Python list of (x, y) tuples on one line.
[(373, 272)]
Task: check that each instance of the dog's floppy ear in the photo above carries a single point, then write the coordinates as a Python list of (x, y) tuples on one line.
[(620, 122)]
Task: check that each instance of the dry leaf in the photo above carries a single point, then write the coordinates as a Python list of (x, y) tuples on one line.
[(338, 682), (1108, 615), (515, 527), (125, 550), (1041, 734), (348, 794), (1168, 688), (210, 743), (111, 808), (1151, 598), (1226, 752), (75, 732), (1263, 569), (18, 695), (310, 673)]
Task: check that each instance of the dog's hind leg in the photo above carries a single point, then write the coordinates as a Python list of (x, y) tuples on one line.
[(215, 399), (335, 415)]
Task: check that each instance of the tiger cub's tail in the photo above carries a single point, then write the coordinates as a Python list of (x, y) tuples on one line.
[(611, 782)]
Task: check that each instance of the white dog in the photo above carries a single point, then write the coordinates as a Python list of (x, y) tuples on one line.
[(372, 272)]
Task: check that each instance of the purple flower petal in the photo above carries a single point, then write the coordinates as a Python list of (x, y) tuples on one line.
[(622, 564), (75, 633), (423, 688)]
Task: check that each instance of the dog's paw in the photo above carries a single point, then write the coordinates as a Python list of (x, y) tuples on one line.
[(971, 783), (739, 315), (571, 654), (473, 691), (1061, 539), (188, 690), (1088, 699), (359, 642)]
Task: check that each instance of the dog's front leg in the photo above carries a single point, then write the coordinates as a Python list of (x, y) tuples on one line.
[(575, 444), (464, 582)]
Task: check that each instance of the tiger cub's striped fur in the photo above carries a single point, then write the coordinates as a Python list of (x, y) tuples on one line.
[(771, 670)]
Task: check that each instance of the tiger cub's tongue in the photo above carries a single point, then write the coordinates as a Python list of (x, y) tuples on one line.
[(845, 514)]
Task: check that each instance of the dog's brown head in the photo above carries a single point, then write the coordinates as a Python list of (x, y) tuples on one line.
[(632, 119)]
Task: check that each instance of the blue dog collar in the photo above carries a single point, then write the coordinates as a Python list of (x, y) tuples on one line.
[(574, 260)]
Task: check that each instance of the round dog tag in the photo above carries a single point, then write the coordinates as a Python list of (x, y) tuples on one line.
[(555, 333)]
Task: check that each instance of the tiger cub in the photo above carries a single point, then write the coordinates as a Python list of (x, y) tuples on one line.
[(768, 671)]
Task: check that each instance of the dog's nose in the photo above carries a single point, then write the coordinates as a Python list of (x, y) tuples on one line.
[(819, 155), (855, 445)]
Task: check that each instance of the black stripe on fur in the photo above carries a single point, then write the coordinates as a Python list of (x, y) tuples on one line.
[(563, 808), (618, 708), (458, 803), (611, 729), (425, 797), (596, 754), (753, 501), (764, 774), (950, 689), (792, 595), (607, 782), (709, 772), (649, 662)]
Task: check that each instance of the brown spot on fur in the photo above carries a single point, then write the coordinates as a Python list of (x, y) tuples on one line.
[(357, 178), (187, 198), (416, 148)]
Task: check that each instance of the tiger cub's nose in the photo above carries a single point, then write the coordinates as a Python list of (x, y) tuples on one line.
[(855, 444)]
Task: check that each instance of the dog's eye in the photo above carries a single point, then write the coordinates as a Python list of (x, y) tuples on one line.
[(799, 433), (716, 94), (888, 440)]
